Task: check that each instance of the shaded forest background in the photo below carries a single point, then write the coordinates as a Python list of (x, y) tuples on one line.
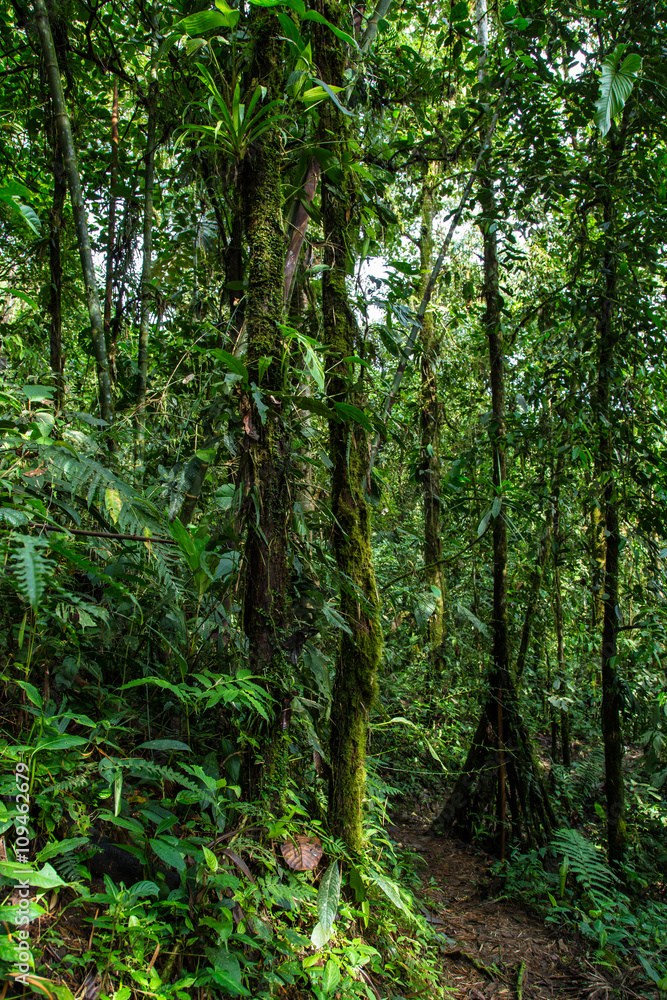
[(333, 476)]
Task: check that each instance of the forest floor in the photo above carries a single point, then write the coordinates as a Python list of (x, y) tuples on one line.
[(493, 949)]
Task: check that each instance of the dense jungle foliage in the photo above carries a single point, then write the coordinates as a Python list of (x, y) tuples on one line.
[(333, 485)]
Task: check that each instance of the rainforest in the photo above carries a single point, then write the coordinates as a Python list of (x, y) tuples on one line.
[(333, 491)]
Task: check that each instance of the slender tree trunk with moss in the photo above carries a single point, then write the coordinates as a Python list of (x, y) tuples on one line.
[(360, 650), (78, 208), (55, 261), (430, 420), (598, 553), (267, 441), (111, 228)]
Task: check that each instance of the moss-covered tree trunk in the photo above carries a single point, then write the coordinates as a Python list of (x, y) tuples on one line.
[(430, 420), (266, 442), (360, 650)]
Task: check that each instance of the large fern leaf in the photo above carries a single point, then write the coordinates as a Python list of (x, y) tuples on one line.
[(32, 569), (587, 863)]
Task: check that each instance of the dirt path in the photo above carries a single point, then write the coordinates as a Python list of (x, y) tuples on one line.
[(493, 950)]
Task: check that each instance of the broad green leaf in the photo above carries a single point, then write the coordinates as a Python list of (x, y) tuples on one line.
[(16, 294), (164, 745), (232, 363), (616, 82), (335, 619), (46, 878), (328, 896), (27, 213), (313, 15), (13, 517), (113, 503), (461, 608), (298, 6), (206, 20), (210, 859), (331, 977), (320, 935), (55, 848), (60, 743), (357, 884), (331, 91), (168, 854), (37, 393), (349, 412), (482, 526), (390, 889), (17, 914), (145, 888)]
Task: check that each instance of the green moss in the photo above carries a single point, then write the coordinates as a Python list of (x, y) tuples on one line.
[(359, 652)]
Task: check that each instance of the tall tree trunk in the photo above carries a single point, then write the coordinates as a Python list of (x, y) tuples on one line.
[(558, 609), (78, 208), (267, 441), (498, 436), (609, 337), (125, 251), (430, 420), (534, 587), (598, 552), (611, 696), (146, 289), (55, 260), (482, 790), (111, 229), (360, 650)]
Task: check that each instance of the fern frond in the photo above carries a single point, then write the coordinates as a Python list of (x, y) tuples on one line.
[(587, 863), (32, 569)]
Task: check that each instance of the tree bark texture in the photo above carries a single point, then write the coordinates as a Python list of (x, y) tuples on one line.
[(78, 208), (558, 609), (430, 421), (543, 549), (611, 696), (127, 235), (360, 651), (267, 440), (55, 261), (111, 224)]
